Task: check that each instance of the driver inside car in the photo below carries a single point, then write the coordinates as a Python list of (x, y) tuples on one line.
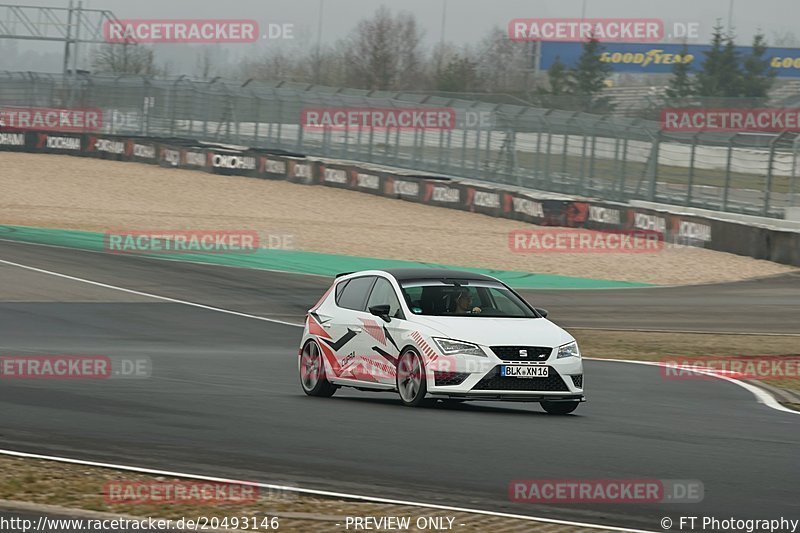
[(464, 303)]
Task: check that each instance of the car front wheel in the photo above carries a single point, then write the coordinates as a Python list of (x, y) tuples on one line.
[(559, 408), (411, 383), (312, 372)]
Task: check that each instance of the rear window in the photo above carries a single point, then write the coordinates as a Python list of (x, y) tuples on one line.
[(353, 293)]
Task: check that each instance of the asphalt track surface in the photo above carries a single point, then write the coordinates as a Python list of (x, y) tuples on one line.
[(224, 398)]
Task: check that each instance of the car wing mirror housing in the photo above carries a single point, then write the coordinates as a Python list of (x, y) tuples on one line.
[(381, 311), (541, 311)]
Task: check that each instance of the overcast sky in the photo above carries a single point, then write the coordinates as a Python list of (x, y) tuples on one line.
[(466, 20)]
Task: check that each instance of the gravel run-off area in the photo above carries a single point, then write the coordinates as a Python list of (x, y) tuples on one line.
[(79, 193)]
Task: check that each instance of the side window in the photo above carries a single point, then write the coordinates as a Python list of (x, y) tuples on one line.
[(414, 298), (382, 294), (354, 294), (339, 288)]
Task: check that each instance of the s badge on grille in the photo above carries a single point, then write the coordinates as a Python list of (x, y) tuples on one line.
[(523, 353)]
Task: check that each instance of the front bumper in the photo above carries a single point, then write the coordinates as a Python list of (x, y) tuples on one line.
[(469, 377), (513, 397)]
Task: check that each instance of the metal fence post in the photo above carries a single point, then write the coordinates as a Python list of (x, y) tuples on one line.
[(371, 142), (463, 150), (582, 169), (206, 111), (768, 190), (397, 145), (279, 129), (448, 148), (594, 149), (516, 172), (623, 169), (257, 123), (174, 106), (690, 182), (565, 137), (419, 144), (537, 158), (793, 184), (547, 176), (653, 167), (727, 187), (148, 105), (477, 163), (300, 136)]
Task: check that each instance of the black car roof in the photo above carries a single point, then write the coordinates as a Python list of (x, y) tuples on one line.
[(405, 274)]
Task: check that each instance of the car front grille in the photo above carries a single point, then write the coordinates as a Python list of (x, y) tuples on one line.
[(513, 353), (494, 381), (577, 380), (445, 379)]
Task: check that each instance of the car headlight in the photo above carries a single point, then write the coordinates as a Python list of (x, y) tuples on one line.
[(568, 350), (451, 347)]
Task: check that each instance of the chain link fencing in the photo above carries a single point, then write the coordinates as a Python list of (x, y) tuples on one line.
[(604, 156)]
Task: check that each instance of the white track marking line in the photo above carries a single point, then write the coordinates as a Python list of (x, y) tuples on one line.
[(150, 295), (330, 494), (690, 331), (761, 395)]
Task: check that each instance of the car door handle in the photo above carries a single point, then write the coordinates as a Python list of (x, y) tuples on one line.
[(326, 325), (356, 330)]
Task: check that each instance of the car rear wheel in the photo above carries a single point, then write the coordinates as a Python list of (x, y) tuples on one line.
[(312, 372), (411, 383), (559, 408)]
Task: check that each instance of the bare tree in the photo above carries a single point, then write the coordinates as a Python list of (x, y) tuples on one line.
[(124, 59), (785, 38), (502, 62), (384, 52), (206, 61), (332, 68), (277, 63)]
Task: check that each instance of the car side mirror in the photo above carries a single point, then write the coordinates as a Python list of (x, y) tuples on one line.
[(381, 311), (541, 311)]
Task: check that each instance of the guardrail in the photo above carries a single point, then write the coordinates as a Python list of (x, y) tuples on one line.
[(761, 242), (610, 157)]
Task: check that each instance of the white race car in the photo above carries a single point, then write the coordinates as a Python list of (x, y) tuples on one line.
[(435, 334)]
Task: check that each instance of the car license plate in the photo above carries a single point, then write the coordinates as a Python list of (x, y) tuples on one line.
[(519, 371)]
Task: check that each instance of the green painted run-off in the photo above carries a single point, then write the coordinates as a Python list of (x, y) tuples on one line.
[(304, 262)]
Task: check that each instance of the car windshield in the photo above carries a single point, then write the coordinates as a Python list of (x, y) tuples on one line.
[(464, 298)]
